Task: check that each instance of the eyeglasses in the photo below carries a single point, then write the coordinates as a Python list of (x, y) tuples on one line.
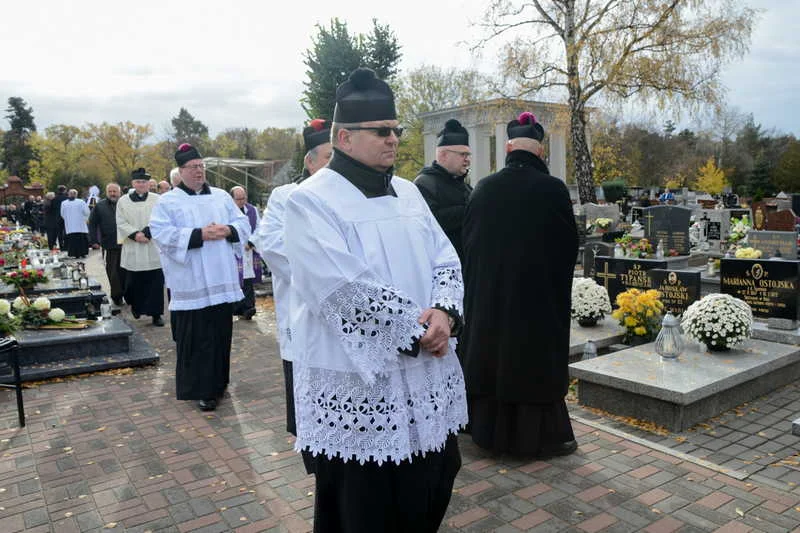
[(198, 166), (462, 154), (380, 131)]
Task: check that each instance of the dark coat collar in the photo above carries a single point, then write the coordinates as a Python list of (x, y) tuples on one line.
[(524, 159), (205, 190), (436, 168), (372, 183), (134, 196)]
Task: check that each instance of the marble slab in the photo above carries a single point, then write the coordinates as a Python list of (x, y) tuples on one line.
[(677, 394)]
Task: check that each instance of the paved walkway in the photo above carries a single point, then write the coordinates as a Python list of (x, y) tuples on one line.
[(116, 452)]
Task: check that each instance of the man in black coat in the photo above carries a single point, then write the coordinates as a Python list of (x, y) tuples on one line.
[(443, 183), (520, 245), (53, 221), (103, 232)]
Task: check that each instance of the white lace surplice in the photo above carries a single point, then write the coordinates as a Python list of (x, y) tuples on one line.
[(362, 272)]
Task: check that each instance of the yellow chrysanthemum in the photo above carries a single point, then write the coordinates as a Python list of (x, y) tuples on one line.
[(630, 321), (640, 330)]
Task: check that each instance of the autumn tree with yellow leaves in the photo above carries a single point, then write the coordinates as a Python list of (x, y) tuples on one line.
[(710, 178)]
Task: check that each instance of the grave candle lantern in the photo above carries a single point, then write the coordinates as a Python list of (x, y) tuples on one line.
[(669, 343)]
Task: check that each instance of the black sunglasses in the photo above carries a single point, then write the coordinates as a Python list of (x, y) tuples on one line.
[(380, 131)]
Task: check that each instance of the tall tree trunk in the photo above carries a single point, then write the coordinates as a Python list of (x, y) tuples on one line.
[(577, 122), (581, 153)]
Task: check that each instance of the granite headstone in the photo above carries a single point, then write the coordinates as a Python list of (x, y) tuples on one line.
[(768, 242), (678, 288), (784, 220), (670, 224), (769, 287), (619, 275)]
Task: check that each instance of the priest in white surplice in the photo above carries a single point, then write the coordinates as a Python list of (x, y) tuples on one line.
[(199, 232), (270, 243), (144, 280), (376, 293), (75, 213)]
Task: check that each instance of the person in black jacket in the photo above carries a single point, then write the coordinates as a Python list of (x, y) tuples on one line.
[(517, 302), (103, 232), (53, 222), (443, 183)]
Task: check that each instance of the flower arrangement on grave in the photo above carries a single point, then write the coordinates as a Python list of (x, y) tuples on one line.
[(740, 227), (24, 278), (719, 321), (640, 248), (8, 322), (748, 253), (590, 301), (639, 312), (603, 224), (673, 253), (34, 315)]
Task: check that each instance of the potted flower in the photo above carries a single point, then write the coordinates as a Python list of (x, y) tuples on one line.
[(603, 224), (25, 278), (639, 312), (34, 315), (748, 253), (719, 321), (739, 230), (590, 301), (8, 322)]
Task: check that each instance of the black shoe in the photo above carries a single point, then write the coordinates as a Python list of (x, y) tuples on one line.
[(565, 448), (249, 314), (207, 405), (158, 321), (135, 315)]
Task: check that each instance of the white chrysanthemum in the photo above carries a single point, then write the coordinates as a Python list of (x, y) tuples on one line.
[(589, 300), (5, 307), (56, 314), (19, 303), (718, 320), (41, 304)]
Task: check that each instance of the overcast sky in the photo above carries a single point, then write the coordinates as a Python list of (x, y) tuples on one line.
[(239, 63)]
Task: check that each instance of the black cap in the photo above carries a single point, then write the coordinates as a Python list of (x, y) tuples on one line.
[(140, 174), (525, 126), (363, 98), (317, 132), (185, 153), (453, 134)]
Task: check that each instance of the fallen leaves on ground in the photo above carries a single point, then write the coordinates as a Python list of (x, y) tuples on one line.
[(644, 425)]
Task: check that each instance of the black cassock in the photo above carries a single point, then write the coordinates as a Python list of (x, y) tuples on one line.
[(203, 337), (520, 246)]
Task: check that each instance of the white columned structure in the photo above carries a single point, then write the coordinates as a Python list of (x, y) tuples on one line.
[(480, 162), (558, 153), (487, 120)]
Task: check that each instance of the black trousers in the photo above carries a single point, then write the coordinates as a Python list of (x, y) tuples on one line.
[(115, 273), (249, 300), (391, 498), (144, 291)]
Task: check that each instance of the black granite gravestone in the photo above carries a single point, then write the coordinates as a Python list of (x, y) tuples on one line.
[(670, 224), (619, 275), (769, 287), (678, 288)]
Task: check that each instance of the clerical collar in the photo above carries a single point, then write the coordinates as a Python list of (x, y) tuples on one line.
[(70, 199), (446, 172), (204, 190), (303, 176), (524, 159), (372, 183), (136, 197)]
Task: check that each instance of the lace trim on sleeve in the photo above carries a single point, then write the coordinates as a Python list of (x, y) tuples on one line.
[(373, 322), (448, 289)]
